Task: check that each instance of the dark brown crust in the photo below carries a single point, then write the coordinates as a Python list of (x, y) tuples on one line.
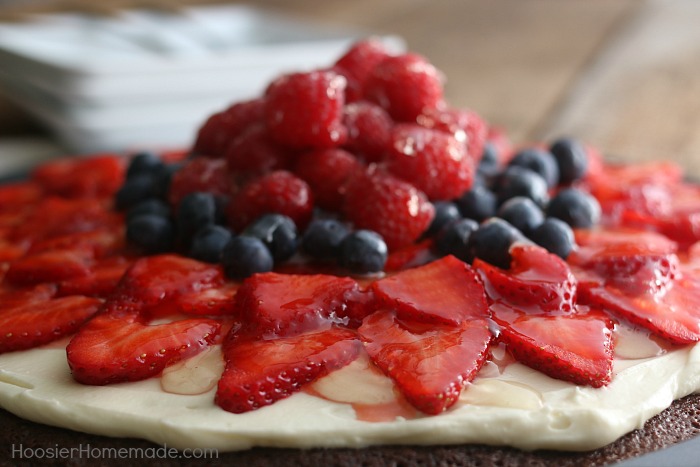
[(678, 423)]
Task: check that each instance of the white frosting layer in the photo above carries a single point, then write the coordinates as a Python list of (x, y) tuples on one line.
[(506, 405)]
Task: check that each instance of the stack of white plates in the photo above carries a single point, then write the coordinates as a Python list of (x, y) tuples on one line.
[(147, 78)]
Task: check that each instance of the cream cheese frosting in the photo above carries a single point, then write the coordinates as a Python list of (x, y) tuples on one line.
[(507, 404)]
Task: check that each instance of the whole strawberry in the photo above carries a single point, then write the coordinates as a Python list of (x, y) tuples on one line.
[(465, 125), (393, 208), (369, 130), (305, 110), (221, 128), (433, 161), (406, 86), (200, 174), (254, 152), (357, 64), (326, 171), (278, 192)]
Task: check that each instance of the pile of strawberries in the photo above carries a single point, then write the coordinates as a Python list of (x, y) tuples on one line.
[(371, 140)]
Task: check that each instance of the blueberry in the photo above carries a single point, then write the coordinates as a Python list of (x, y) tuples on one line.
[(363, 251), (149, 206), (520, 181), (491, 242), (135, 189), (244, 256), (478, 203), (196, 210), (453, 239), (162, 178), (488, 164), (144, 162), (445, 213), (575, 207), (522, 213), (322, 238), (554, 235), (572, 159), (539, 161), (209, 242), (151, 233), (277, 232)]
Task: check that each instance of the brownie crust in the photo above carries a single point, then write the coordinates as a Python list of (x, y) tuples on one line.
[(679, 422)]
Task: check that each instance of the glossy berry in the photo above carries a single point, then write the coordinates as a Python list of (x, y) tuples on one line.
[(209, 242), (144, 162), (554, 235), (277, 232), (540, 161), (453, 239), (323, 237), (326, 171), (369, 130), (491, 242), (575, 207), (149, 206), (446, 212), (150, 233), (520, 181), (244, 256), (200, 174), (522, 213), (276, 192), (363, 251), (433, 161), (305, 110), (196, 210), (222, 128), (464, 124), (478, 203), (571, 158), (357, 64), (405, 86), (393, 208), (254, 153)]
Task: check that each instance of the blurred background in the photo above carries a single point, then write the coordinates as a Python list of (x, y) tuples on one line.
[(81, 76)]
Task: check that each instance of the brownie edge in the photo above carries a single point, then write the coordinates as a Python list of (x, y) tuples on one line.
[(679, 422)]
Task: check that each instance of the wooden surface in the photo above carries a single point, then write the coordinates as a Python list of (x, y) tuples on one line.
[(623, 75)]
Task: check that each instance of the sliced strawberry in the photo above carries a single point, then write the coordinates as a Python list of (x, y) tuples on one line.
[(633, 261), (576, 347), (445, 291), (119, 345), (260, 372), (100, 242), (49, 266), (54, 217), (41, 319), (100, 282), (673, 314), (430, 364), (82, 177), (218, 301), (411, 256), (288, 304), (158, 278), (536, 278), (15, 196), (11, 297)]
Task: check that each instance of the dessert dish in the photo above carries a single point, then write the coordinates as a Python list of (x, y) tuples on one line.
[(348, 262)]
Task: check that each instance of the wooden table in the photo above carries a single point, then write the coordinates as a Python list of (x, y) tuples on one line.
[(623, 75)]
